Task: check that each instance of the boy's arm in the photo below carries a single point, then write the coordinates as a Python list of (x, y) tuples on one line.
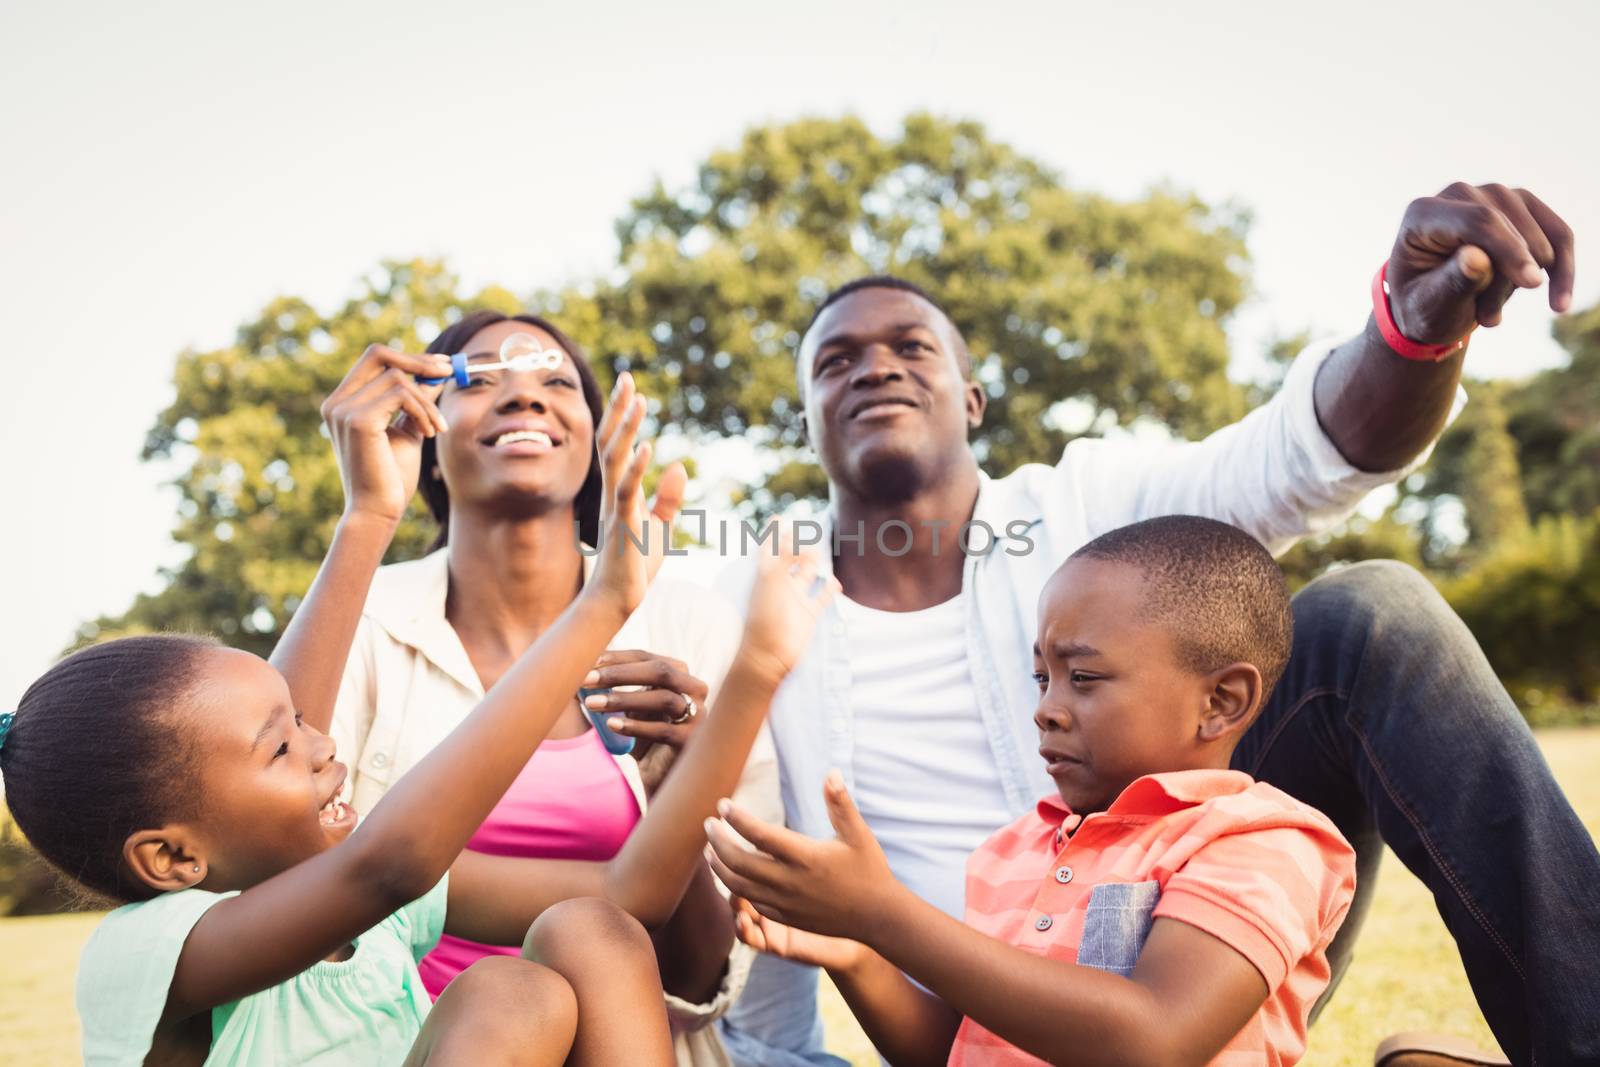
[(1063, 1012), (907, 1025), (1056, 1010)]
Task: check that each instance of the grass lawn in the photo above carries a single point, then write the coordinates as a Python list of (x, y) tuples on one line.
[(1406, 975)]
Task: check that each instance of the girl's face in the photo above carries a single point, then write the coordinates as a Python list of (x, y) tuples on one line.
[(520, 441), (268, 783)]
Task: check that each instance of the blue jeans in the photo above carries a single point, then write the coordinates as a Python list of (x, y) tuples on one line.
[(1390, 720)]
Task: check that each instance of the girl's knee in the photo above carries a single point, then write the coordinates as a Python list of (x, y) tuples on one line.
[(503, 1009), (518, 991), (582, 928)]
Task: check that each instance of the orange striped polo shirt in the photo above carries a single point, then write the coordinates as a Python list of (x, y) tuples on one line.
[(1245, 862)]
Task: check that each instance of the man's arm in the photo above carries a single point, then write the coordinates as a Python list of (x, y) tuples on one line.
[(1459, 256), (1344, 424)]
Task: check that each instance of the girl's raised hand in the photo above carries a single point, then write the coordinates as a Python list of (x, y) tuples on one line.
[(633, 539), (378, 416), (789, 596)]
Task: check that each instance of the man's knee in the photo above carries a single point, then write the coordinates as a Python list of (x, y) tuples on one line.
[(579, 928), (1379, 600)]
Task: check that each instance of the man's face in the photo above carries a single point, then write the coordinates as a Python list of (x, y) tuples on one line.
[(888, 404)]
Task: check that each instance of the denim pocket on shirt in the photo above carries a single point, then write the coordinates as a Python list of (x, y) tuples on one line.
[(1116, 924)]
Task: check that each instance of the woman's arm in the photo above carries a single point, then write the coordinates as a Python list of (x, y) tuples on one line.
[(379, 461), (692, 946), (410, 839)]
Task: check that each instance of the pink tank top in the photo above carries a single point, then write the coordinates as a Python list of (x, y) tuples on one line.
[(570, 802)]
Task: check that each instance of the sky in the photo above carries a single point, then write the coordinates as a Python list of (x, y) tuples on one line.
[(169, 168)]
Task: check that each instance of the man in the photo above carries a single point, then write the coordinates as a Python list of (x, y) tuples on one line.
[(1389, 719)]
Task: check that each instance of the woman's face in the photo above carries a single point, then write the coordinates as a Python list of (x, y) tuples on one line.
[(520, 442)]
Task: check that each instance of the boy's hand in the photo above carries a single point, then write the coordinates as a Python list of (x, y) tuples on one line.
[(377, 417), (787, 943), (633, 540), (785, 603), (826, 887)]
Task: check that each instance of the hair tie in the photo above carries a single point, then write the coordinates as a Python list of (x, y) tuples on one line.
[(6, 720)]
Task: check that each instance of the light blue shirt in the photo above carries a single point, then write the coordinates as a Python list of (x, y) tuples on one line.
[(1274, 473)]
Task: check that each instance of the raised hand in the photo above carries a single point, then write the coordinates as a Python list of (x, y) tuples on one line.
[(633, 539), (1460, 255), (380, 455), (785, 603), (824, 887)]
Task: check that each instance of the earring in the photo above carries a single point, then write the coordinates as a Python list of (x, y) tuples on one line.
[(197, 868)]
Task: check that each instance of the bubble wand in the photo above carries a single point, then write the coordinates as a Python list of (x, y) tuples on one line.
[(519, 352)]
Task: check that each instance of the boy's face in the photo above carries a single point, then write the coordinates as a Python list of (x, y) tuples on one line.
[(1115, 702)]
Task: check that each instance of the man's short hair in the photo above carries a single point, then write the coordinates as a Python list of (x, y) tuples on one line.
[(874, 281), (1212, 586)]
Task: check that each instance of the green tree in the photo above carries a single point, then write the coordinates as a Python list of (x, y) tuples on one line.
[(1555, 419), (1541, 435), (1061, 294)]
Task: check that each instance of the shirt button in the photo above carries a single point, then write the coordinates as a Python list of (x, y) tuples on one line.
[(1063, 875), (1043, 922), (380, 760)]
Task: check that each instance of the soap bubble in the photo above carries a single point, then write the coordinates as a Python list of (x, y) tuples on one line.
[(523, 352)]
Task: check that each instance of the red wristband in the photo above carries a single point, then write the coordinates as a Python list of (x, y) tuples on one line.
[(1392, 336)]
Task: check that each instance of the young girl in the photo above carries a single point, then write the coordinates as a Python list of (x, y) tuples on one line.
[(175, 774)]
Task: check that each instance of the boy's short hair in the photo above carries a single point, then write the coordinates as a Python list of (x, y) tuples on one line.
[(1212, 586)]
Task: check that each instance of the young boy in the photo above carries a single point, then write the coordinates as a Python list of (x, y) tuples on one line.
[(1162, 909)]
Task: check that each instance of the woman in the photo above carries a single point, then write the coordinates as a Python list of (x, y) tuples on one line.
[(512, 481)]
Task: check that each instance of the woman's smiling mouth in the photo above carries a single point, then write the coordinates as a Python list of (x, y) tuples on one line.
[(523, 442)]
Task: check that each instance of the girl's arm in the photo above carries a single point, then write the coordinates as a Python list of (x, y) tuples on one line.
[(495, 899), (649, 876), (379, 461), (277, 928)]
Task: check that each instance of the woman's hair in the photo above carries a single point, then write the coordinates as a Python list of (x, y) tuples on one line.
[(454, 339), (93, 756)]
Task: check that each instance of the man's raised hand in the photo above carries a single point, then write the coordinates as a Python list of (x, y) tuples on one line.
[(1460, 255)]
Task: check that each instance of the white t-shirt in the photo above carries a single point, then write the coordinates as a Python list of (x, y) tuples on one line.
[(926, 779)]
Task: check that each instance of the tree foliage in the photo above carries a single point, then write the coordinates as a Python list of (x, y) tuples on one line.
[(1061, 294)]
